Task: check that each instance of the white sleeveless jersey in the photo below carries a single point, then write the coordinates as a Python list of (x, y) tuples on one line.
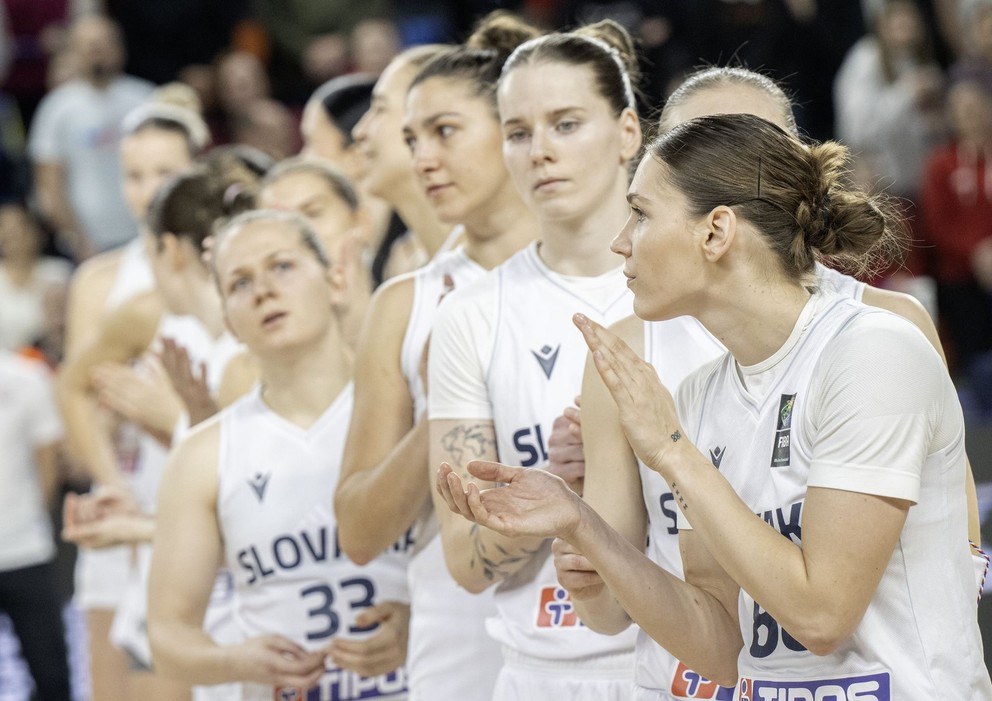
[(275, 510), (919, 636), (537, 362), (134, 274), (443, 615), (675, 348)]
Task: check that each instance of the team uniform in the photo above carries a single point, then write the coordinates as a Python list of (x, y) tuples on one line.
[(506, 350), (857, 400), (275, 500), (676, 348), (443, 615), (129, 630), (101, 575)]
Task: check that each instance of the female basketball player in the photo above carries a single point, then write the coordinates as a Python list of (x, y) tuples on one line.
[(502, 362), (454, 132), (815, 429), (388, 174), (160, 141), (632, 498), (262, 504)]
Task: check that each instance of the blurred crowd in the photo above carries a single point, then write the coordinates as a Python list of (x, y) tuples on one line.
[(907, 84)]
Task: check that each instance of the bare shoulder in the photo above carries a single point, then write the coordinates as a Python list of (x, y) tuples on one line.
[(388, 316), (192, 466), (631, 330), (135, 321)]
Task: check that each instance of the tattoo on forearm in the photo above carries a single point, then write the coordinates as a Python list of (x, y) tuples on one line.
[(676, 436), (503, 562), (467, 443), (679, 497)]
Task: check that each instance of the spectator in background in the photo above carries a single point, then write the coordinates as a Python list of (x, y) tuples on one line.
[(374, 43), (30, 431), (238, 79), (268, 126), (25, 277), (976, 63), (957, 207), (74, 140), (887, 97), (310, 39)]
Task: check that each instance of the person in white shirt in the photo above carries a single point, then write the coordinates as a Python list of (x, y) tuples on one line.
[(453, 129), (830, 423), (504, 359), (252, 488), (74, 138), (30, 432)]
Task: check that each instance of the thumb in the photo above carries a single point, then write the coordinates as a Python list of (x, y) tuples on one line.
[(373, 615), (493, 471)]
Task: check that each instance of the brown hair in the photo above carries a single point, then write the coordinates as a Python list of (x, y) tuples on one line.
[(605, 47), (480, 60), (335, 179), (795, 195)]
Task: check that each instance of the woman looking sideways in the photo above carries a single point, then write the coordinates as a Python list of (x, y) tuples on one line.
[(632, 498), (813, 420), (454, 133), (262, 505), (503, 363)]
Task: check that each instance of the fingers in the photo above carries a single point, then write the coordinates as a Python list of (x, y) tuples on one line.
[(493, 471), (373, 616), (449, 486)]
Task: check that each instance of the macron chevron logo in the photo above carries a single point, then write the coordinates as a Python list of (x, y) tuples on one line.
[(716, 456), (546, 357), (258, 483)]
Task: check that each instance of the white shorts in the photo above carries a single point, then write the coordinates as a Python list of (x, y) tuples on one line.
[(101, 576), (602, 678)]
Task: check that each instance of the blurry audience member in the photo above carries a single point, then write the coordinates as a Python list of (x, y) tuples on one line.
[(30, 430), (957, 207), (310, 38), (180, 95), (976, 63), (374, 43), (25, 277), (268, 126), (241, 80), (37, 30), (887, 96), (74, 139)]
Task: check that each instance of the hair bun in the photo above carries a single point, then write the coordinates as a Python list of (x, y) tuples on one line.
[(614, 35), (502, 32)]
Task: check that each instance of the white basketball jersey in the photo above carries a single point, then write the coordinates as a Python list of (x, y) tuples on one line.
[(134, 274), (538, 358), (832, 281), (275, 509), (443, 615), (919, 637), (675, 348)]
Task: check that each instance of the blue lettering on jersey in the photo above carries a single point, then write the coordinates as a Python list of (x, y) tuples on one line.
[(286, 552), (788, 525), (344, 685), (871, 687), (667, 507), (530, 446)]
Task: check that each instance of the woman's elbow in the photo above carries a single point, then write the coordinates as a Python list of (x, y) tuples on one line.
[(823, 634)]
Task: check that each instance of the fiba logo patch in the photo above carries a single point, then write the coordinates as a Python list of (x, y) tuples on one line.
[(555, 609), (781, 448)]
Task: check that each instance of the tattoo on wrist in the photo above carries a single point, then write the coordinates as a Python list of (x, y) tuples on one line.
[(679, 497), (503, 563), (676, 436)]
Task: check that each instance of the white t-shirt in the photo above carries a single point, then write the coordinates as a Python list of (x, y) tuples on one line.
[(275, 508), (857, 400), (79, 127), (22, 313), (505, 350), (29, 419)]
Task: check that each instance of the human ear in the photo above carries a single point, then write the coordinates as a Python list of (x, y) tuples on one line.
[(630, 135), (721, 230)]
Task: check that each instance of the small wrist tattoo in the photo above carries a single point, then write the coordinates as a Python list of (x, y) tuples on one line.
[(676, 436)]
